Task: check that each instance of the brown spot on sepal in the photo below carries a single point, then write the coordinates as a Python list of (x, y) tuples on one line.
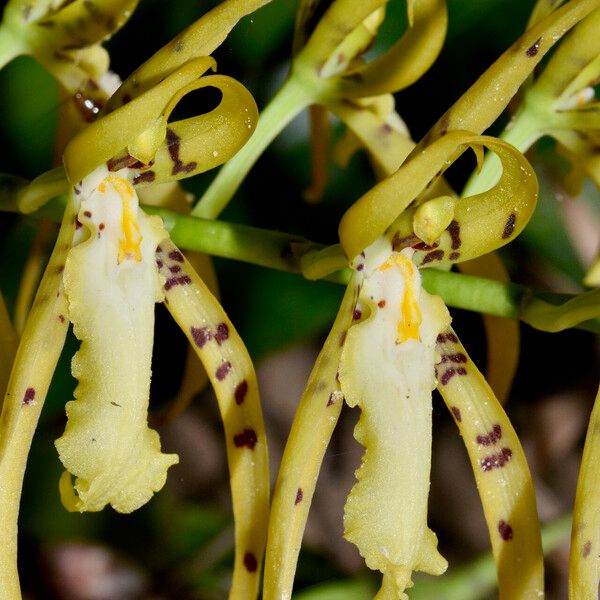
[(299, 496), (496, 461), (175, 281), (587, 548), (447, 337), (246, 439), (491, 437), (450, 373), (534, 48), (145, 177), (223, 370), (433, 256), (456, 412), (505, 531), (222, 333), (454, 230), (241, 391), (174, 144), (29, 396), (250, 562), (509, 226)]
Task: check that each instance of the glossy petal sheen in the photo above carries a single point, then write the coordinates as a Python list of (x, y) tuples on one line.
[(387, 369), (112, 285)]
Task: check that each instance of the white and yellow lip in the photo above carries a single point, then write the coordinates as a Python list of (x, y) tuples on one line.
[(387, 370), (112, 285)]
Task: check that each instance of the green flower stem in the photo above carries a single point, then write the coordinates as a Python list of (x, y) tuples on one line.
[(284, 252), (477, 579), (291, 98)]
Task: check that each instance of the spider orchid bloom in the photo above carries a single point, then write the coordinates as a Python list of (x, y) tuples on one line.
[(329, 74), (390, 346), (110, 265)]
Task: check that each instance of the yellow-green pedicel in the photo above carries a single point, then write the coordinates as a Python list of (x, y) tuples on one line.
[(112, 284), (387, 370)]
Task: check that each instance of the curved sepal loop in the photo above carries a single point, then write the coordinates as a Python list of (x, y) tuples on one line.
[(408, 59), (198, 144), (103, 139), (500, 468), (232, 375), (486, 221)]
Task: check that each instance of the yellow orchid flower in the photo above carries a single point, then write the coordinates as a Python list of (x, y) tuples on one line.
[(390, 346), (110, 265)]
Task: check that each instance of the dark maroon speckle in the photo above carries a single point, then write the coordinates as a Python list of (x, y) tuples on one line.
[(145, 177), (299, 496), (505, 531), (246, 438), (223, 370), (454, 231), (29, 396), (456, 412), (240, 392), (222, 333), (496, 461), (357, 314), (587, 548), (509, 226), (176, 256), (431, 256), (174, 281), (533, 49), (250, 562), (490, 438), (200, 335)]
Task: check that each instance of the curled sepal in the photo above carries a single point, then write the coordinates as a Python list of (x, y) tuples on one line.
[(139, 136), (106, 137), (408, 59), (347, 29), (206, 141), (387, 370), (231, 373), (199, 39), (481, 223), (311, 431), (112, 285), (584, 561), (501, 472)]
